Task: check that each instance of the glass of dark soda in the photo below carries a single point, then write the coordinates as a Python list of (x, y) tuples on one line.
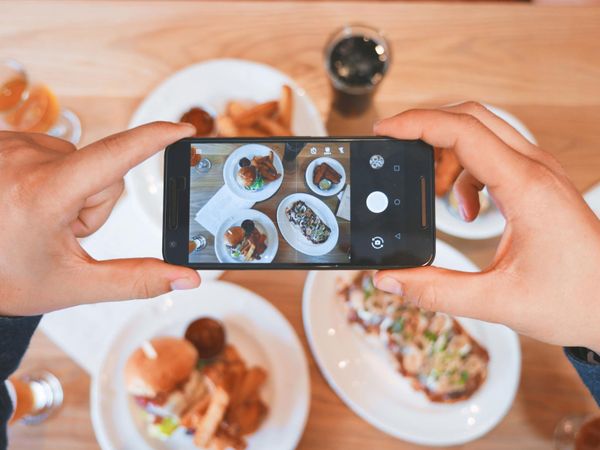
[(357, 58)]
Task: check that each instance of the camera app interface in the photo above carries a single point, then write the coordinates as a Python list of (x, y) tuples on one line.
[(270, 202)]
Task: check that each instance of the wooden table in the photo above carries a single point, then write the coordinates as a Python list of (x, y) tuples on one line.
[(542, 64)]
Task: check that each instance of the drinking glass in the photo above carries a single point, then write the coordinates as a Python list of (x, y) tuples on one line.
[(35, 396), (357, 57), (33, 107), (578, 432), (199, 161)]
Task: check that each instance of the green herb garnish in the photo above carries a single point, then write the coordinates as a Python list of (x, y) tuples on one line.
[(464, 376), (368, 287), (398, 325), (430, 335)]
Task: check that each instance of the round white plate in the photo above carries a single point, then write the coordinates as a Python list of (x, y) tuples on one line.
[(259, 331), (364, 378), (291, 233), (264, 225), (592, 197), (231, 168), (210, 84), (491, 223), (335, 165)]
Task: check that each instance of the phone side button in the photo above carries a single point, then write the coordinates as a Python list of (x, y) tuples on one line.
[(173, 216)]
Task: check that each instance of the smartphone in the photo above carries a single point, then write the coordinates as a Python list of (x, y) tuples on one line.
[(299, 203)]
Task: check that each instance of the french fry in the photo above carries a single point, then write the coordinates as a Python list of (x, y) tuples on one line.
[(250, 384), (192, 417), (226, 127), (251, 115), (273, 127), (286, 105), (248, 416), (209, 423), (236, 109)]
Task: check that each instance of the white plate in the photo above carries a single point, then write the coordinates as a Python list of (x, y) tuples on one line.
[(335, 165), (369, 384), (291, 233), (592, 197), (231, 168), (491, 223), (264, 225), (253, 325), (211, 84)]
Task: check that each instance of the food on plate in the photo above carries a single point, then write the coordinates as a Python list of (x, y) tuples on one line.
[(447, 170), (253, 174), (264, 166), (202, 120), (249, 178), (432, 349), (215, 399), (308, 222), (271, 118), (245, 242), (325, 176), (207, 335)]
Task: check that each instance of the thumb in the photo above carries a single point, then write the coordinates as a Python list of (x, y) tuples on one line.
[(458, 293), (126, 279)]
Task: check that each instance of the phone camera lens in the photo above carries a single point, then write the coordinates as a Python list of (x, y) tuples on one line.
[(376, 161), (173, 244)]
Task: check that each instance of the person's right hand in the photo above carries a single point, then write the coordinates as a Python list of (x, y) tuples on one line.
[(52, 194), (544, 280)]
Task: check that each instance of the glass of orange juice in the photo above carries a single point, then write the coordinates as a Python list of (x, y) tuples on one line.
[(31, 107), (34, 396)]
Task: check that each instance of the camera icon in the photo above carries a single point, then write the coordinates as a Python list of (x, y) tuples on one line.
[(377, 242)]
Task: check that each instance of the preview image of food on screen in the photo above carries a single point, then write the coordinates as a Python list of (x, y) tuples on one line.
[(270, 202)]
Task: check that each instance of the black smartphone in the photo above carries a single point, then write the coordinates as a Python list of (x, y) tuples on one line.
[(299, 203)]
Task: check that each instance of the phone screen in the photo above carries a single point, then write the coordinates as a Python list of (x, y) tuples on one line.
[(310, 202), (270, 202)]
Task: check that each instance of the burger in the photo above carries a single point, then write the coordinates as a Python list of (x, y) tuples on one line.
[(165, 383), (249, 178)]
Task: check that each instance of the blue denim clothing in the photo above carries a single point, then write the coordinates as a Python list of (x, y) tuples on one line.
[(587, 364), (15, 334)]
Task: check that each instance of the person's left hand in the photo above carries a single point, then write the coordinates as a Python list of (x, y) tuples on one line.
[(50, 195)]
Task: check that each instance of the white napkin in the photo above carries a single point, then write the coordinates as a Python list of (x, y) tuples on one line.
[(221, 205), (344, 206)]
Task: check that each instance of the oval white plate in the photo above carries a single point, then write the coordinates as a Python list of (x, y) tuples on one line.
[(264, 225), (335, 165), (253, 325), (369, 384), (491, 223), (231, 168), (292, 234), (211, 83)]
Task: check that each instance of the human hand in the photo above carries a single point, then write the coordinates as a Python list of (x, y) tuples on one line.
[(50, 195), (544, 280)]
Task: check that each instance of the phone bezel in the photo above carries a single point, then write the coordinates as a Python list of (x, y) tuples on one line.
[(176, 166)]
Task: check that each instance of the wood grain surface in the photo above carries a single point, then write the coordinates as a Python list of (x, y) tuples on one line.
[(541, 64)]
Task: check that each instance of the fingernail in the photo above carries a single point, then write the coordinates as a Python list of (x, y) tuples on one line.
[(182, 283), (390, 285), (187, 125), (463, 213)]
